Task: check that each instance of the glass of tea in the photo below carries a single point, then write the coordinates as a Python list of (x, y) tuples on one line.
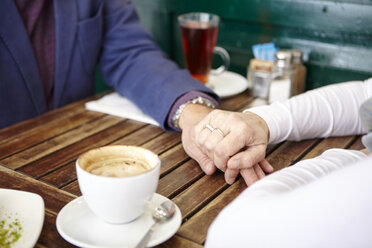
[(199, 36)]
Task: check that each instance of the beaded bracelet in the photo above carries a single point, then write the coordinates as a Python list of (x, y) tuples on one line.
[(198, 100)]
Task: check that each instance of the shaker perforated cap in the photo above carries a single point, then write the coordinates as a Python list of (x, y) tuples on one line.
[(283, 58)]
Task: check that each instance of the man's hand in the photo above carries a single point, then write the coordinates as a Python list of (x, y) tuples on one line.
[(238, 146), (190, 117), (239, 143)]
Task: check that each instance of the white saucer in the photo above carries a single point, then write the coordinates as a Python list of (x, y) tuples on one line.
[(26, 209), (227, 83), (79, 226)]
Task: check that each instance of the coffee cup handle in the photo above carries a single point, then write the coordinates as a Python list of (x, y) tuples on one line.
[(225, 60)]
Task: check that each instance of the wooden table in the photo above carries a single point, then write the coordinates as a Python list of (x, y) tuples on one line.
[(39, 156)]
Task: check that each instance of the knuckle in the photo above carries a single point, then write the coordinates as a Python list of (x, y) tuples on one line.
[(214, 113), (220, 151), (200, 139), (245, 128), (221, 167), (208, 145), (234, 117)]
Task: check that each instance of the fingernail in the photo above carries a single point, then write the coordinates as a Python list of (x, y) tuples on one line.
[(271, 168), (230, 180)]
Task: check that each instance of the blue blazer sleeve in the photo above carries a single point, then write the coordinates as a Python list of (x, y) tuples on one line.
[(134, 65)]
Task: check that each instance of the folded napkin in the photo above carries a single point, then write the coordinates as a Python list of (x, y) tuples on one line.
[(117, 105)]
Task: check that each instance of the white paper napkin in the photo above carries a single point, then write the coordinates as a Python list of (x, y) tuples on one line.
[(117, 105)]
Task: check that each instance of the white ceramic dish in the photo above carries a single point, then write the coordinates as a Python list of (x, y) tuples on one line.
[(78, 225), (25, 208), (227, 84)]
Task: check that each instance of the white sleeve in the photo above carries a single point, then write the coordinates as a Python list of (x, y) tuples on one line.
[(327, 111), (302, 206), (305, 172)]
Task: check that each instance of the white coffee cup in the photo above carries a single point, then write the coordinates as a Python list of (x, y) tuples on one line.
[(122, 199)]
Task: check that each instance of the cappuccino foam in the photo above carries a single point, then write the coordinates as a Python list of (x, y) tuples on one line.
[(118, 167), (116, 161)]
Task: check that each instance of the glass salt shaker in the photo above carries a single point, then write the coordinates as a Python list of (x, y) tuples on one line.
[(281, 85), (260, 76)]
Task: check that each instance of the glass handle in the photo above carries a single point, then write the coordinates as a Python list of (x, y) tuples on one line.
[(225, 60)]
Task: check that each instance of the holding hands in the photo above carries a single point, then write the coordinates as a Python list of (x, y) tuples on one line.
[(230, 141)]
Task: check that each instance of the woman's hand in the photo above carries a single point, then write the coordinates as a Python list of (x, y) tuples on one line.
[(233, 142)]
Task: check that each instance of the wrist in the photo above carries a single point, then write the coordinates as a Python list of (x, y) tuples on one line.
[(192, 114), (261, 123), (199, 104)]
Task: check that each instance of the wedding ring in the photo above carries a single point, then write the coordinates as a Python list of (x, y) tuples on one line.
[(210, 128), (220, 132)]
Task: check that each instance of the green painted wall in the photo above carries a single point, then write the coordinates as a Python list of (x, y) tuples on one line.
[(337, 34)]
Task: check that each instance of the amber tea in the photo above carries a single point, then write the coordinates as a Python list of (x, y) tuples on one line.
[(198, 43)]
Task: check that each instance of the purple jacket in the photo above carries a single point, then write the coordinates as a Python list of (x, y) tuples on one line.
[(88, 33)]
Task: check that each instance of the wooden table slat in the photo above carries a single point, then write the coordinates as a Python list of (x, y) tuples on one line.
[(32, 125), (46, 132), (196, 227), (49, 236), (177, 241), (289, 152), (357, 145), (61, 176), (332, 142), (237, 102), (72, 188), (172, 158), (163, 142), (199, 193), (179, 179), (140, 136)]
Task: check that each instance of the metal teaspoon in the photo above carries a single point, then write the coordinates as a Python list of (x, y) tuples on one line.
[(161, 214)]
